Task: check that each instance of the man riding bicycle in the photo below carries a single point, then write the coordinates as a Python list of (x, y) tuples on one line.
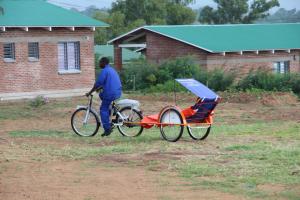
[(109, 81)]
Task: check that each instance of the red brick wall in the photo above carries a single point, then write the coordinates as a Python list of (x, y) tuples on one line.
[(26, 76), (160, 48), (118, 56), (241, 64)]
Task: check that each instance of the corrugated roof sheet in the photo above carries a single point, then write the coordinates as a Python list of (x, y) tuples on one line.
[(108, 51), (40, 13), (233, 38)]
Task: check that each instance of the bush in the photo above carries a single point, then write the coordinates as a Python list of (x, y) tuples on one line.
[(295, 83), (143, 76), (220, 80), (38, 101), (267, 81), (184, 67), (165, 87), (138, 75)]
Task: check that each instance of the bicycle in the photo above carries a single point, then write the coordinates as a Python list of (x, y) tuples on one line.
[(85, 121)]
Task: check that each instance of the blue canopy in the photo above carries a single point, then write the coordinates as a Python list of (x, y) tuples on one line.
[(198, 88)]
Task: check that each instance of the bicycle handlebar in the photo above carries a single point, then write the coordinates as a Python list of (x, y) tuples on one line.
[(95, 90)]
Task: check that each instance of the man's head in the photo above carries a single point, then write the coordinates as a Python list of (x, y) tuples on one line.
[(103, 62)]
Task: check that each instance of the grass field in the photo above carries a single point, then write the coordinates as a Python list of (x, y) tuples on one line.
[(253, 152)]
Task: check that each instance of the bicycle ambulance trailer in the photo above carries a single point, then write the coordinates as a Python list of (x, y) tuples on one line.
[(171, 120)]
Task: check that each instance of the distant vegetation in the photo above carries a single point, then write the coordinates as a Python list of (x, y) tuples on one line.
[(129, 14), (282, 16), (236, 11)]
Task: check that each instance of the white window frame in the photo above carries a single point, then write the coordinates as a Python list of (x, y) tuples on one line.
[(281, 67), (12, 47), (69, 57), (33, 51)]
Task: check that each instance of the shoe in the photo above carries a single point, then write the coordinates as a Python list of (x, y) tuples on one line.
[(106, 133)]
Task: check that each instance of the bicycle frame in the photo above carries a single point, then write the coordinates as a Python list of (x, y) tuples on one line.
[(89, 108), (114, 112)]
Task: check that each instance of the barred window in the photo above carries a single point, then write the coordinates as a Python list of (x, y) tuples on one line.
[(33, 50), (68, 56), (9, 51), (282, 67)]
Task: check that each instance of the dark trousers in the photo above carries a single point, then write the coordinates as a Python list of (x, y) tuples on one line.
[(105, 113)]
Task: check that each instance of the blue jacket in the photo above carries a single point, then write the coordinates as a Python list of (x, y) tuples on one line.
[(109, 80)]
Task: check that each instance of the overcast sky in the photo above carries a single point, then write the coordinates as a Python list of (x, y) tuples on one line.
[(82, 4)]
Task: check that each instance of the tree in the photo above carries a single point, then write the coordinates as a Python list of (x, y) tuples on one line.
[(182, 2), (236, 11), (148, 10), (117, 22), (126, 15), (156, 11), (178, 14), (101, 35), (282, 16)]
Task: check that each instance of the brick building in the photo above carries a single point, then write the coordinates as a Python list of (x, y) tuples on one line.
[(232, 47), (44, 50)]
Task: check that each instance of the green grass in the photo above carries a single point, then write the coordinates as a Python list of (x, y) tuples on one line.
[(277, 128), (245, 167), (24, 110), (41, 133), (16, 112)]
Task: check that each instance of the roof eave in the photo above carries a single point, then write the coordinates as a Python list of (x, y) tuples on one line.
[(254, 50), (145, 28), (49, 28), (58, 26), (124, 35)]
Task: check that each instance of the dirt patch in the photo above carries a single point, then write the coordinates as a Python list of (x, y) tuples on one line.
[(74, 180), (267, 98), (88, 180), (271, 188)]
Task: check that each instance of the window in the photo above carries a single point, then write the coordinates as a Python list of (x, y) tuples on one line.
[(33, 51), (68, 57), (282, 67), (9, 52)]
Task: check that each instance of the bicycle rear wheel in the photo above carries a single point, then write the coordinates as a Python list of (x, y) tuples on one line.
[(171, 127), (129, 121), (85, 124)]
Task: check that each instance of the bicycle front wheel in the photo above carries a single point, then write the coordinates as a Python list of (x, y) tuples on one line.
[(171, 127), (129, 122), (85, 124)]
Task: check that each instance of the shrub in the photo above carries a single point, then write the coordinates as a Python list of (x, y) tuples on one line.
[(165, 87), (143, 76), (220, 80), (139, 75), (268, 81), (38, 101), (295, 83), (184, 67)]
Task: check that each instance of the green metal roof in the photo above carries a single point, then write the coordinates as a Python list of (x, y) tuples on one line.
[(39, 13), (108, 51), (232, 38)]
